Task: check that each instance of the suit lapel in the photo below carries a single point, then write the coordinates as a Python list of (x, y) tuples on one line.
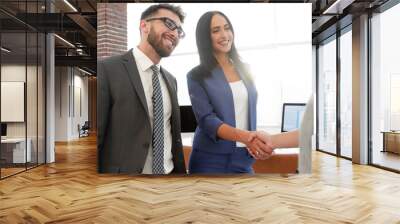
[(133, 74)]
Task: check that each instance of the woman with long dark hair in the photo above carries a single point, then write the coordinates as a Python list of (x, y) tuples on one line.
[(224, 101)]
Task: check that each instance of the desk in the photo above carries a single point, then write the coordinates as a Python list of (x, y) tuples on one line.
[(13, 150), (283, 161), (391, 141)]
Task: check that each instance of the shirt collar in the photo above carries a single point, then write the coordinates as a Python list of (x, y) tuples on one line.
[(144, 62)]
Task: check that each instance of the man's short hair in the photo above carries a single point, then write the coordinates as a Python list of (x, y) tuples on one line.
[(154, 8)]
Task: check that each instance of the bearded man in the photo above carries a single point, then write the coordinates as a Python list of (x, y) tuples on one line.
[(138, 116)]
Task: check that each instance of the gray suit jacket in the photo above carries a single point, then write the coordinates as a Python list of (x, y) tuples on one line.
[(123, 127)]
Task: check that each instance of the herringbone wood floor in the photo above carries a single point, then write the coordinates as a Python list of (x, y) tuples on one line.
[(70, 191)]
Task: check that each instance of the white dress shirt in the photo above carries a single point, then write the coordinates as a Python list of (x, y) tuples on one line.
[(241, 104), (143, 64)]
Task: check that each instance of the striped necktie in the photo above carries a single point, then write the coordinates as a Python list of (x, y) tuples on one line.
[(158, 124)]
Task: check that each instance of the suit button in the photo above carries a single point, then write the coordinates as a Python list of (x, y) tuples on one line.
[(146, 145), (178, 140)]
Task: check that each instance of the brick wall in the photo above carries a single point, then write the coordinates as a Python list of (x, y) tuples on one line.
[(111, 40), (111, 29)]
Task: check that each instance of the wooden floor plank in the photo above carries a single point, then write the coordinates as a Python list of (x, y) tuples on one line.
[(71, 191)]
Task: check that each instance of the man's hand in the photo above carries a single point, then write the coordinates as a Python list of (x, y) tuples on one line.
[(267, 150), (258, 145)]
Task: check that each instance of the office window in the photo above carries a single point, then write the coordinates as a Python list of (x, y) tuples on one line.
[(385, 83), (41, 87), (327, 96), (276, 47), (31, 100), (22, 92), (13, 83), (346, 94)]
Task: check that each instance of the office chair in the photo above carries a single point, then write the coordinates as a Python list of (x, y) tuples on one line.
[(84, 130)]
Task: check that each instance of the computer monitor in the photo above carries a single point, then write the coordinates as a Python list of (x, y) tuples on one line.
[(292, 114), (3, 129), (188, 120)]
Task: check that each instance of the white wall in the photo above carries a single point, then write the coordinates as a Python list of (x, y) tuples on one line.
[(33, 126), (70, 83), (79, 117), (12, 73), (61, 103)]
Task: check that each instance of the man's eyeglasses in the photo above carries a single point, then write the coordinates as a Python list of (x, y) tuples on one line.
[(170, 24)]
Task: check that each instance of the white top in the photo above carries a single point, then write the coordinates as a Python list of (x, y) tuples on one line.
[(241, 104), (143, 64)]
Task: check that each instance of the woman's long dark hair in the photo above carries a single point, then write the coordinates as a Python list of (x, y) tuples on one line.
[(204, 44)]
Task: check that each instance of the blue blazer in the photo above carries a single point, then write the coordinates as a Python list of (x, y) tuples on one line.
[(212, 103)]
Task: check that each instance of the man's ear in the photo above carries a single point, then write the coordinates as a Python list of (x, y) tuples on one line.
[(144, 27)]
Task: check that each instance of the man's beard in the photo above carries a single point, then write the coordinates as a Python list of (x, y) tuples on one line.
[(157, 44)]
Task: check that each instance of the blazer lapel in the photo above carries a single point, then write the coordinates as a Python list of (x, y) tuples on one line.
[(133, 74), (222, 83)]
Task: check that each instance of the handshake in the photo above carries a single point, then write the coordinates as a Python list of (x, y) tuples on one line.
[(259, 144)]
